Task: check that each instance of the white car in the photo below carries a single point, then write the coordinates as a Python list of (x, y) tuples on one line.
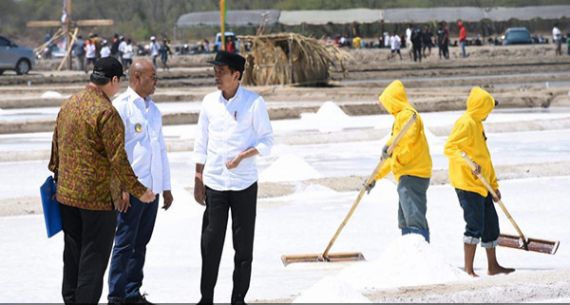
[(14, 57)]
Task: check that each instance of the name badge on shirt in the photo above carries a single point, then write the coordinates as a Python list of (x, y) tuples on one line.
[(138, 127)]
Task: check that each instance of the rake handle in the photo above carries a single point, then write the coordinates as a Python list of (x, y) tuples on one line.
[(473, 166), (368, 181)]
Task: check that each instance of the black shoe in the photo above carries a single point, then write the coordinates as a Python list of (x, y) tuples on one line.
[(238, 300), (140, 299)]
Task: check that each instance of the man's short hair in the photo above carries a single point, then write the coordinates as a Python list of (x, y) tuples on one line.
[(234, 61), (105, 69)]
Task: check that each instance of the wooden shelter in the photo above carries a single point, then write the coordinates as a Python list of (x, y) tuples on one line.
[(289, 58), (68, 29)]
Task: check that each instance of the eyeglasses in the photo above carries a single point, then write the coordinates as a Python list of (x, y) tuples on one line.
[(152, 76)]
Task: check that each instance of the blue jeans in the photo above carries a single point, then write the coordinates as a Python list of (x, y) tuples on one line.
[(134, 230), (481, 220), (413, 206), (463, 51)]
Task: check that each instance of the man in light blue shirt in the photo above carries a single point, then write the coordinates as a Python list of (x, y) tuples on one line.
[(233, 127), (146, 151)]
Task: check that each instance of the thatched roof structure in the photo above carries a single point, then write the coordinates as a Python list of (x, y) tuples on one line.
[(288, 58)]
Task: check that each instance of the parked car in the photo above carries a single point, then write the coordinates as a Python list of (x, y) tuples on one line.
[(517, 36), (14, 57)]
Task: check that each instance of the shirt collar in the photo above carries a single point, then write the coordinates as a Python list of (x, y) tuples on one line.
[(233, 98), (137, 99), (98, 91)]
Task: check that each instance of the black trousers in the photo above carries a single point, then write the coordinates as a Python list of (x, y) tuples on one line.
[(243, 206), (88, 238), (417, 53)]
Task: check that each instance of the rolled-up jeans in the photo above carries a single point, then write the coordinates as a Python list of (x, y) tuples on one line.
[(481, 220), (413, 205)]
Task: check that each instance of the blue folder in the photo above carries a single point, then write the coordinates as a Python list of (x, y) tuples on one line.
[(52, 215)]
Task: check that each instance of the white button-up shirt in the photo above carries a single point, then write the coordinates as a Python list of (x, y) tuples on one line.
[(144, 141), (227, 128)]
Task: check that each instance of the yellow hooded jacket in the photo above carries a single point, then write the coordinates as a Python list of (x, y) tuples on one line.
[(468, 136), (411, 156)]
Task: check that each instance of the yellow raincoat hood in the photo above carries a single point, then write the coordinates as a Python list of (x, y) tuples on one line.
[(411, 156), (480, 103), (468, 136), (394, 98)]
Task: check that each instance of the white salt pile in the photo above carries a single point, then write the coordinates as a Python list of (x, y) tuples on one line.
[(289, 168), (409, 261), (52, 94), (329, 118), (331, 290)]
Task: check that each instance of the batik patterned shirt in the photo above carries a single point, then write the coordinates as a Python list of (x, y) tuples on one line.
[(88, 154)]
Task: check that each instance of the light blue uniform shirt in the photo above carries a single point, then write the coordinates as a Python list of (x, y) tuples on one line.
[(144, 141)]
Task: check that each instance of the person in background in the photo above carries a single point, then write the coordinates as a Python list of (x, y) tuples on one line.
[(233, 127), (96, 41), (417, 42), (395, 43), (90, 55), (443, 40), (90, 168), (79, 51), (230, 44), (115, 47), (427, 41), (105, 49), (154, 49), (408, 40), (462, 38), (557, 38), (356, 42), (128, 54), (164, 53), (481, 220)]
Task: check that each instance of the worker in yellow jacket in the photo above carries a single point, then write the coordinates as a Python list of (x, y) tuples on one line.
[(410, 162), (482, 223)]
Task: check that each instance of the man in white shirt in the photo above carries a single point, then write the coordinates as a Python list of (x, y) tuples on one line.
[(409, 46), (121, 48), (146, 151), (105, 50), (128, 53), (154, 49), (395, 42), (233, 127), (557, 38)]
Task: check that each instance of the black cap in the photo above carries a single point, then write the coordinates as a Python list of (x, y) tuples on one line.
[(232, 60), (108, 67), (496, 103)]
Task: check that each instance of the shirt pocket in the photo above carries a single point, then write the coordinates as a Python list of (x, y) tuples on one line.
[(244, 121)]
